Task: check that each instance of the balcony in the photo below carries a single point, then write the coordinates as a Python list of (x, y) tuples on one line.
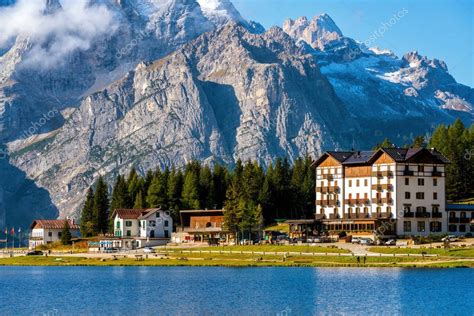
[(464, 220), (354, 201), (381, 187), (329, 177), (453, 220), (422, 214), (382, 174), (330, 189), (408, 214), (436, 215), (437, 174), (326, 202), (408, 173)]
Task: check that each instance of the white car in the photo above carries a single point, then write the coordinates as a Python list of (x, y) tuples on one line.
[(391, 242), (366, 241), (450, 238), (148, 250), (356, 240)]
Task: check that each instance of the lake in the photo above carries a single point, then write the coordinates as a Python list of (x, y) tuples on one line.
[(235, 291)]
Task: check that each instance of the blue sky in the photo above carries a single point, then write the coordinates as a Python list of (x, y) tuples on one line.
[(437, 29)]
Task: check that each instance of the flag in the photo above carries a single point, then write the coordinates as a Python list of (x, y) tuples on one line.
[(12, 232)]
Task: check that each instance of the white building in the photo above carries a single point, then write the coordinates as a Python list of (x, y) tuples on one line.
[(392, 191), (45, 231), (135, 228)]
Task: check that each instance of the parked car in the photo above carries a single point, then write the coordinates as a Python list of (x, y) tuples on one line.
[(356, 240), (148, 250), (390, 242), (366, 241), (450, 238), (35, 253)]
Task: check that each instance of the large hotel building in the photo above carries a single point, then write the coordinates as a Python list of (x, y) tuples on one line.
[(390, 192)]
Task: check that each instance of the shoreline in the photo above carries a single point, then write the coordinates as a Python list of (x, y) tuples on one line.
[(241, 262)]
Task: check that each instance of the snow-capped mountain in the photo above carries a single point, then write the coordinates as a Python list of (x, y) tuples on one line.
[(159, 82)]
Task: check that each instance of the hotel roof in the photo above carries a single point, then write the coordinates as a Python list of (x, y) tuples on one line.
[(53, 224), (133, 213), (401, 155)]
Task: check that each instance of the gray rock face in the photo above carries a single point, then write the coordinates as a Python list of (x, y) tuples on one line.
[(384, 93), (227, 95), (35, 97), (169, 83)]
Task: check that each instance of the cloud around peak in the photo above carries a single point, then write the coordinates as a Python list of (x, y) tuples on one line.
[(54, 34)]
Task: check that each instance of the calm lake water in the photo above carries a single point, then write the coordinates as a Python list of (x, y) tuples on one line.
[(234, 291)]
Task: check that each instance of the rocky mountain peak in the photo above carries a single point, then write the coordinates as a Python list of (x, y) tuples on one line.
[(319, 32), (414, 59)]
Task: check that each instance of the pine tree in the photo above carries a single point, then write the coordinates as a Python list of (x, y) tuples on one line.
[(156, 195), (174, 188), (139, 201), (120, 195), (190, 195), (101, 207), (87, 216), (66, 234), (419, 142)]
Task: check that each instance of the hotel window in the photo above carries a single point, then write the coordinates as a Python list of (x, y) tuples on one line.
[(421, 182), (462, 228), (166, 223), (152, 223), (60, 234), (435, 209), (435, 195), (435, 182), (129, 233), (463, 214), (50, 234), (378, 210), (407, 181), (420, 195), (350, 183), (421, 168), (407, 226), (452, 228), (366, 182), (407, 195), (366, 210), (421, 227), (357, 183), (158, 214), (366, 196), (452, 215), (435, 227), (322, 183), (389, 210), (128, 223), (117, 225)]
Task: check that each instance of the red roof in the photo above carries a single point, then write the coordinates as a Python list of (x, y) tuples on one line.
[(53, 224), (132, 213)]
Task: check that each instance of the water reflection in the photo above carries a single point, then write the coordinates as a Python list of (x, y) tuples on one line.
[(234, 291)]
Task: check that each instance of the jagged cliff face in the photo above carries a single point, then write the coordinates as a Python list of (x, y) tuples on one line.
[(46, 70), (378, 87), (172, 80), (225, 96)]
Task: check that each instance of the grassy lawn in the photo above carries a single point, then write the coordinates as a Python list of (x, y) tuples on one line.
[(269, 248), (241, 260), (455, 252)]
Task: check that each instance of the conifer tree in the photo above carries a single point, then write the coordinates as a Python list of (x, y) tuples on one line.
[(87, 216), (101, 207), (139, 201), (156, 195), (66, 234), (190, 195)]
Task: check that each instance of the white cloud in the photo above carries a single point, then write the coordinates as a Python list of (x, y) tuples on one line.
[(55, 35)]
